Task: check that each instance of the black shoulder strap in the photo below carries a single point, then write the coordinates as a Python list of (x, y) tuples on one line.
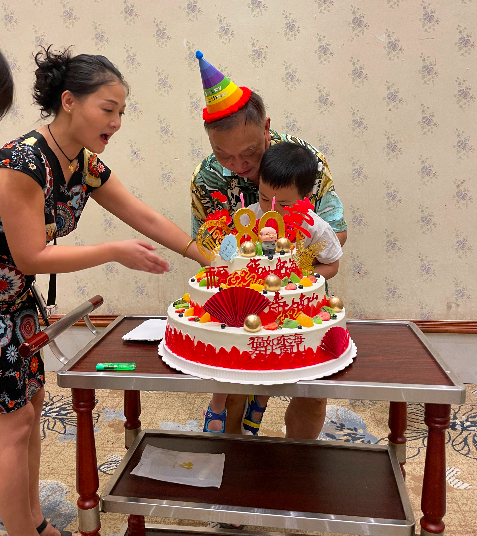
[(56, 172)]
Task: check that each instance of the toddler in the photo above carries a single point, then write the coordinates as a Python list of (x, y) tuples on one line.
[(287, 173)]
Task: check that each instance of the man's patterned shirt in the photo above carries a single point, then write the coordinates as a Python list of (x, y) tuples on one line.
[(210, 176)]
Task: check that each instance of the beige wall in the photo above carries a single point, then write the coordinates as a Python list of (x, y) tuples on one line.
[(385, 89)]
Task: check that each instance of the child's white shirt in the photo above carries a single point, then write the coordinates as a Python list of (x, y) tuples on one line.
[(320, 231)]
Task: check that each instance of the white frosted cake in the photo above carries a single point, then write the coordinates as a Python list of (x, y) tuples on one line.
[(258, 314), (257, 320)]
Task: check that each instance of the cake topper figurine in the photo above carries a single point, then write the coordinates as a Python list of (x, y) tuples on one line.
[(298, 214), (228, 248), (305, 256), (244, 231), (268, 237), (216, 231), (210, 236)]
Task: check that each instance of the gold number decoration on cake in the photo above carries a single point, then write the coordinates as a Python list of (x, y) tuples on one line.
[(245, 230), (210, 236), (272, 215)]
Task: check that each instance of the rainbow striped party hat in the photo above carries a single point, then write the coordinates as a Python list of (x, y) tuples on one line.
[(222, 96)]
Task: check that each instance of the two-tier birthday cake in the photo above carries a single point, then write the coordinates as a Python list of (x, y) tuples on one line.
[(253, 318)]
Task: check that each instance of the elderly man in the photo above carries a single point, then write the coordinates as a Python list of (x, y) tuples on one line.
[(239, 133)]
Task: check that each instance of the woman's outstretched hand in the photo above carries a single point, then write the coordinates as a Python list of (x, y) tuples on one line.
[(138, 255)]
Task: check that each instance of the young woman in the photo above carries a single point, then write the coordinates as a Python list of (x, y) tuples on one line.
[(46, 177)]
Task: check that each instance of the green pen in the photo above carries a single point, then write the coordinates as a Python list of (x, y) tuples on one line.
[(116, 366)]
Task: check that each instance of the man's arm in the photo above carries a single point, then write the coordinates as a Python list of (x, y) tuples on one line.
[(328, 204), (330, 209), (195, 225), (342, 236), (200, 198)]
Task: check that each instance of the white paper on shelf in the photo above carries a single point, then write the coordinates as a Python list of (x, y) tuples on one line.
[(150, 330), (191, 468)]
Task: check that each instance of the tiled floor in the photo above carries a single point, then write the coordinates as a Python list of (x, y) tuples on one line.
[(458, 351)]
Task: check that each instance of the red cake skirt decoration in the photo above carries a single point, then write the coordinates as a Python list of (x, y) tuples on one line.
[(184, 346)]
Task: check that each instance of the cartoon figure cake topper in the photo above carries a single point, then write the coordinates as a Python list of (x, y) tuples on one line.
[(268, 237)]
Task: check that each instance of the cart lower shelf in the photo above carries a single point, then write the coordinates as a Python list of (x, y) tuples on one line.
[(273, 482)]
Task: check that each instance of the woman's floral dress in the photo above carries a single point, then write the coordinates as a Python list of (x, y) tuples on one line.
[(21, 378)]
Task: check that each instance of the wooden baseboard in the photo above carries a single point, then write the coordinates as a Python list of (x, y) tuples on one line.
[(427, 326), (447, 326)]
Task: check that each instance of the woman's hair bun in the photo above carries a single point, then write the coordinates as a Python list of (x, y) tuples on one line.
[(57, 75), (51, 73)]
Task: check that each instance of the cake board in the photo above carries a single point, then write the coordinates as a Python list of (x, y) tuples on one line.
[(258, 377)]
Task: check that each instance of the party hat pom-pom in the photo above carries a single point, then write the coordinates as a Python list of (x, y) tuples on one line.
[(198, 54), (234, 304), (335, 341)]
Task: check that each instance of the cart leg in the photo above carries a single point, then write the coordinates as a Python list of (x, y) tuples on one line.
[(433, 500), (132, 427), (132, 412), (136, 526), (397, 425), (87, 481)]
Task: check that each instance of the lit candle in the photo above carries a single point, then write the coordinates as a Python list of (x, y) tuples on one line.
[(273, 202), (241, 199)]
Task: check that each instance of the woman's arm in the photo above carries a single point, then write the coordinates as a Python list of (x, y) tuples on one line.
[(114, 197), (22, 213)]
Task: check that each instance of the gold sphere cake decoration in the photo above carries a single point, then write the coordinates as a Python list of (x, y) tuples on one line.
[(336, 304), (283, 244), (252, 323), (272, 283), (248, 249)]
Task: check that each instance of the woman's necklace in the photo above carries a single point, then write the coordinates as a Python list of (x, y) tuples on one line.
[(71, 167)]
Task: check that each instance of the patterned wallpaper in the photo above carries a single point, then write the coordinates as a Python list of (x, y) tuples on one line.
[(386, 89)]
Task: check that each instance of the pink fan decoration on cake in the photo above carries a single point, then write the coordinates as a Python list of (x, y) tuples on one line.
[(232, 305), (335, 341)]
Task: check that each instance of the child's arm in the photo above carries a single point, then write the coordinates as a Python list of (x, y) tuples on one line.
[(327, 270)]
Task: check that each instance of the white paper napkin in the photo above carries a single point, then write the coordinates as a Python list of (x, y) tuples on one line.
[(203, 470), (153, 329)]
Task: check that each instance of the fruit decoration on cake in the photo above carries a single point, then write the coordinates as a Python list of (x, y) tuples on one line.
[(259, 306)]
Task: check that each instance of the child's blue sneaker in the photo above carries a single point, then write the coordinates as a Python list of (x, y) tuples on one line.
[(211, 416), (249, 426)]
